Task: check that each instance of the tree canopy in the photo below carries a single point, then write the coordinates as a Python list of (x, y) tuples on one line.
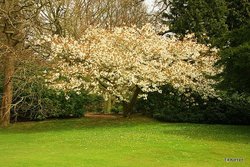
[(126, 60), (223, 23)]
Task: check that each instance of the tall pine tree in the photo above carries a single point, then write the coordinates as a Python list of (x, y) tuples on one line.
[(223, 23), (205, 18)]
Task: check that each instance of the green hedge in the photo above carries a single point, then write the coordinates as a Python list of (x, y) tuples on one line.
[(178, 108), (36, 102), (52, 104)]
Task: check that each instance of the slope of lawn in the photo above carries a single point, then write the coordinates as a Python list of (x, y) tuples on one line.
[(136, 142)]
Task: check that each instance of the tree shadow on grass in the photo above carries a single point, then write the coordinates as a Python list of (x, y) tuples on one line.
[(226, 133), (74, 124)]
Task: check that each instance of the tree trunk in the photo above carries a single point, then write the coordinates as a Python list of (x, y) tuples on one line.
[(12, 36), (108, 105), (128, 107), (7, 90)]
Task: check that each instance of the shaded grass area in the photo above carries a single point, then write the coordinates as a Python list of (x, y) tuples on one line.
[(136, 142)]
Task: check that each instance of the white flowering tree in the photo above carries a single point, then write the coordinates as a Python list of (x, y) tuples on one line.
[(127, 62)]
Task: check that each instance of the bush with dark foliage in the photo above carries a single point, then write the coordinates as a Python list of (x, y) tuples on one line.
[(170, 106)]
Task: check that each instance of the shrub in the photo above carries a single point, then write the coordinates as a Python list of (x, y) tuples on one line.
[(37, 102), (171, 106), (116, 109)]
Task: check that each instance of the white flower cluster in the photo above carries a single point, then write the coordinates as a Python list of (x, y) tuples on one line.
[(114, 62)]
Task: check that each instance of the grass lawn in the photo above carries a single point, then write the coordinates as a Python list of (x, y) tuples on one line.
[(136, 142)]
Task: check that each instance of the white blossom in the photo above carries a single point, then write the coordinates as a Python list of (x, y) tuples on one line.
[(114, 62)]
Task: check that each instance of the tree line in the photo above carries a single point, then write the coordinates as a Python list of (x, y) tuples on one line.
[(26, 64)]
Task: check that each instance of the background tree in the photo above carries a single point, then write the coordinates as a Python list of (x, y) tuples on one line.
[(235, 56), (13, 32), (223, 23), (207, 19), (238, 13), (73, 17), (236, 59)]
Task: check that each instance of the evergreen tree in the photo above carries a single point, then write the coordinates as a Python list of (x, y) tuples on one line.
[(236, 59), (223, 23), (238, 13), (205, 18)]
